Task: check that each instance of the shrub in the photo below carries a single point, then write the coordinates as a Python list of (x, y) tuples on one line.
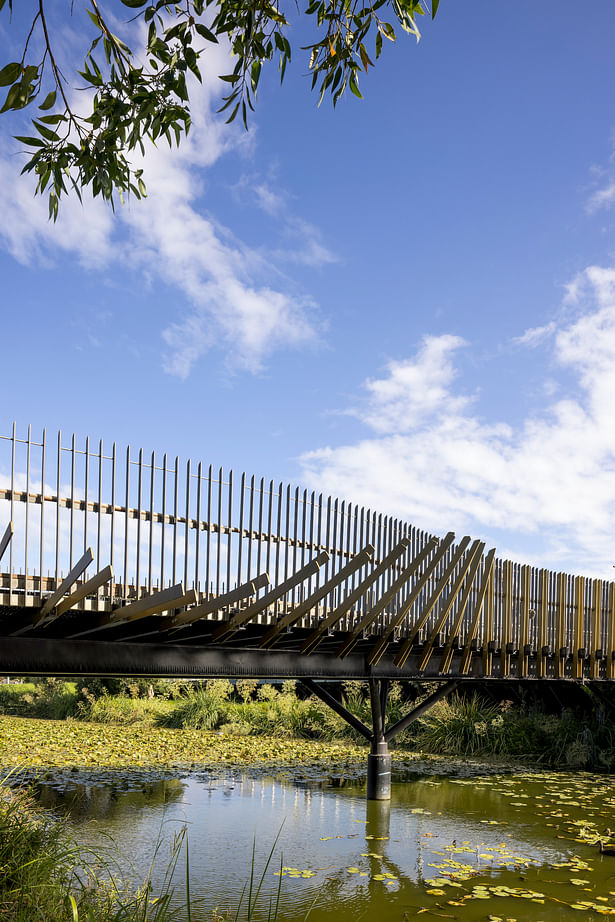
[(120, 709), (200, 711)]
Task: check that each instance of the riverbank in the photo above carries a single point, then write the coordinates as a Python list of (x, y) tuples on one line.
[(33, 748), (250, 723), (58, 743)]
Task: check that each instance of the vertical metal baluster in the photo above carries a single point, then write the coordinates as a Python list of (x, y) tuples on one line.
[(150, 562), (386, 541), (139, 496), (295, 541), (175, 517), (100, 590), (13, 438), (219, 532), (164, 518), (86, 490), (261, 501), (112, 536), (242, 489), (343, 589), (42, 534), (312, 504), (99, 519), (355, 547), (207, 564), (304, 527), (362, 541), (379, 551), (28, 448), (125, 591), (251, 528), (337, 545), (325, 601), (325, 570), (197, 550), (72, 499), (269, 527), (187, 532), (57, 582), (287, 532), (279, 535), (229, 544)]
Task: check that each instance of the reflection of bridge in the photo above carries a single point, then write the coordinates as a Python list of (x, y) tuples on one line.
[(200, 573)]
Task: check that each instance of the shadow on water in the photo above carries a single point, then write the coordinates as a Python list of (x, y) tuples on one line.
[(520, 847)]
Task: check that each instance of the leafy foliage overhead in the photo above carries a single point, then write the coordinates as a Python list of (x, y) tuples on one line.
[(145, 94)]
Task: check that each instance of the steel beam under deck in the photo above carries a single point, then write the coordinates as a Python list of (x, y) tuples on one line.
[(61, 657), (44, 656)]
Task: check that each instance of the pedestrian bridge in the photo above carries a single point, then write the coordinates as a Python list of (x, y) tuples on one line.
[(121, 562)]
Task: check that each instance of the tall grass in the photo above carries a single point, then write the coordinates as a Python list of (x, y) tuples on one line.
[(45, 877), (470, 726)]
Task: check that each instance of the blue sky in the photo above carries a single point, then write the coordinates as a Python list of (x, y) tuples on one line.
[(408, 301)]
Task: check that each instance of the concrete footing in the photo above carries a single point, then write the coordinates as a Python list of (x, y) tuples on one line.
[(379, 772)]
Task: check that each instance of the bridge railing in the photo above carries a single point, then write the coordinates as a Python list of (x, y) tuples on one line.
[(158, 522)]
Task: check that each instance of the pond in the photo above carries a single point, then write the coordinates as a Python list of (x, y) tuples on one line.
[(469, 847)]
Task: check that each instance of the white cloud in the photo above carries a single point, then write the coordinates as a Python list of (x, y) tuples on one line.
[(302, 241), (534, 336), (416, 389), (602, 198), (548, 482), (237, 298)]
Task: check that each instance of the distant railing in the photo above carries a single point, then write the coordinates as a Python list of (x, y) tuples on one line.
[(156, 523)]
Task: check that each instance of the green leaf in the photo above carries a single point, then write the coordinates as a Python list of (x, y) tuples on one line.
[(205, 33), (10, 73), (94, 17), (50, 100), (354, 86), (16, 98), (233, 114), (54, 119), (434, 8), (134, 4), (53, 206), (32, 142), (47, 133)]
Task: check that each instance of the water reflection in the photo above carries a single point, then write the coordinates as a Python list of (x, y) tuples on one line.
[(88, 799), (336, 849)]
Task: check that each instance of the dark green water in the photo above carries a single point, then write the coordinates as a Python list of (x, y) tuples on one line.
[(504, 847)]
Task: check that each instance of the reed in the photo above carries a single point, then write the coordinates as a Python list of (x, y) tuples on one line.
[(45, 876)]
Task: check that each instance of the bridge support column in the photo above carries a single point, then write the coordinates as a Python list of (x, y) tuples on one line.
[(379, 759), (379, 772)]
